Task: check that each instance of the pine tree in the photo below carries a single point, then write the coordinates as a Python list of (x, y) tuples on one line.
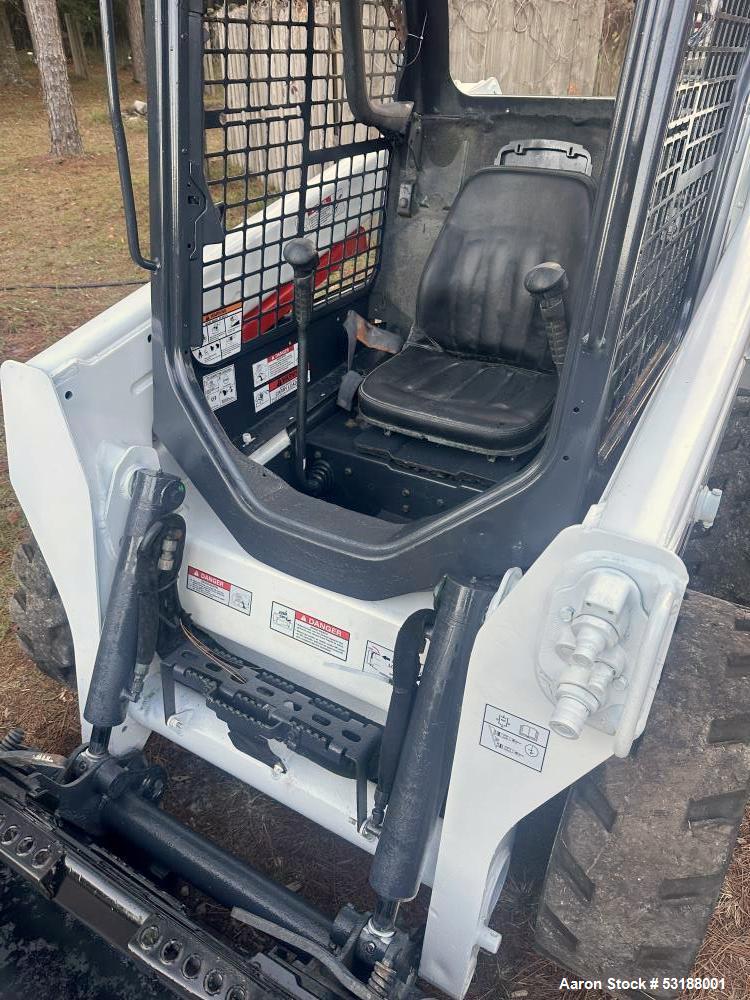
[(44, 24)]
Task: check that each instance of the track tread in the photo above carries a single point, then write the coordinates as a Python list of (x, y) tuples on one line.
[(36, 609)]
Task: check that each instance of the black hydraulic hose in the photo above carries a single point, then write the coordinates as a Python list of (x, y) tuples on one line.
[(424, 767), (212, 870), (410, 643)]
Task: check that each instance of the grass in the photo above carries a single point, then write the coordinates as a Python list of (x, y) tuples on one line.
[(62, 223)]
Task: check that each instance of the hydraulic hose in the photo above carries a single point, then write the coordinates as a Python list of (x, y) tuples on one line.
[(424, 767)]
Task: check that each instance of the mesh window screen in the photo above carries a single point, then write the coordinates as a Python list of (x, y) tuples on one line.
[(677, 207), (285, 157)]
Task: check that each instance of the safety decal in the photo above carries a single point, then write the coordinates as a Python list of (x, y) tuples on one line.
[(515, 738), (220, 387), (222, 335), (378, 660), (276, 389), (274, 364), (310, 630), (219, 590)]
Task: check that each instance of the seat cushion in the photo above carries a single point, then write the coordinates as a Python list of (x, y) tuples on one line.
[(485, 406)]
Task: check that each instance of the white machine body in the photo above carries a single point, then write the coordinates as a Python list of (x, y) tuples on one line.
[(563, 671)]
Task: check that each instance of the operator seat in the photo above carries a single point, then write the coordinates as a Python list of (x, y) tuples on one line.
[(476, 371)]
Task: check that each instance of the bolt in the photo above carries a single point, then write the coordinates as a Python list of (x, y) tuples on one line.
[(370, 947), (405, 508), (278, 769), (173, 722), (347, 471), (567, 614)]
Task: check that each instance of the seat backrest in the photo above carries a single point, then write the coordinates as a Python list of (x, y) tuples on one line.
[(505, 220)]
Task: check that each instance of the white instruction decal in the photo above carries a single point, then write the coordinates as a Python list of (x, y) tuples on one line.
[(219, 590), (310, 630), (275, 364), (219, 350), (220, 387), (515, 738), (276, 389), (378, 660)]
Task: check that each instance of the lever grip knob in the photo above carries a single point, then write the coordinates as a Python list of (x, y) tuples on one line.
[(303, 257), (546, 280)]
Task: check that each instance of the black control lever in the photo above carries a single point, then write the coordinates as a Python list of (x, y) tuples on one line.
[(304, 259), (547, 283)]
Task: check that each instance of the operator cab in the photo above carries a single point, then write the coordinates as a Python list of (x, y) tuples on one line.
[(437, 324), (463, 401)]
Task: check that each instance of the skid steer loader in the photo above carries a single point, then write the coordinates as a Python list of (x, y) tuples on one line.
[(376, 500)]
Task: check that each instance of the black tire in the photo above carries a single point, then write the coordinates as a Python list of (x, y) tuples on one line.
[(37, 611), (644, 843)]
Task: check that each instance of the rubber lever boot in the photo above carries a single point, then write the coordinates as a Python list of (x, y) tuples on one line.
[(548, 282), (304, 259)]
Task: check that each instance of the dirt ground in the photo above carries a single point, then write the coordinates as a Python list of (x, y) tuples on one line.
[(61, 224)]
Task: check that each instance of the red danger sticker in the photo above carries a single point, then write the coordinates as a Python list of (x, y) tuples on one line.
[(312, 631), (216, 589)]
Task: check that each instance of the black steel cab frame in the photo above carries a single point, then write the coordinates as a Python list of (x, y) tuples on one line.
[(659, 153)]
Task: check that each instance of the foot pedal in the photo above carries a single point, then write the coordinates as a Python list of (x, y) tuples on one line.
[(264, 706)]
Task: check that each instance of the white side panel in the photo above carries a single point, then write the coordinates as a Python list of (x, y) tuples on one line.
[(508, 761), (50, 482)]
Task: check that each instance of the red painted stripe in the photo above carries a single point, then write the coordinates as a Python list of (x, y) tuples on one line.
[(278, 305)]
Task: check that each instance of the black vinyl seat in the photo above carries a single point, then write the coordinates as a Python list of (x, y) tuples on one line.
[(476, 371)]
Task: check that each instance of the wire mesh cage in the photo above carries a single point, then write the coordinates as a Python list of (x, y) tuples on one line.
[(284, 156), (651, 325)]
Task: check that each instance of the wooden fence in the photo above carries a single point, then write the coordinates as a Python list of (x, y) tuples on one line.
[(530, 46)]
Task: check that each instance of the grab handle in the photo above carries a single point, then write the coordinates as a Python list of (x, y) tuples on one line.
[(388, 117), (121, 145)]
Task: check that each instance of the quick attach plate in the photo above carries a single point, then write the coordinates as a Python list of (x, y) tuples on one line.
[(268, 707), (29, 850)]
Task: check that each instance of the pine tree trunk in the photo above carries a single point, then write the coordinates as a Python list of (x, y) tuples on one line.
[(77, 50), (137, 44), (44, 24), (10, 66)]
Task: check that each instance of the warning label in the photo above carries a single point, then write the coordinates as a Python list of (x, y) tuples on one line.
[(222, 335), (310, 630), (210, 354), (274, 365), (219, 590), (276, 389), (378, 660), (220, 387), (222, 322), (515, 738)]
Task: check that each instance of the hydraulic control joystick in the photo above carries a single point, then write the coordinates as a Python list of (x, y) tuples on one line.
[(547, 283), (304, 259)]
